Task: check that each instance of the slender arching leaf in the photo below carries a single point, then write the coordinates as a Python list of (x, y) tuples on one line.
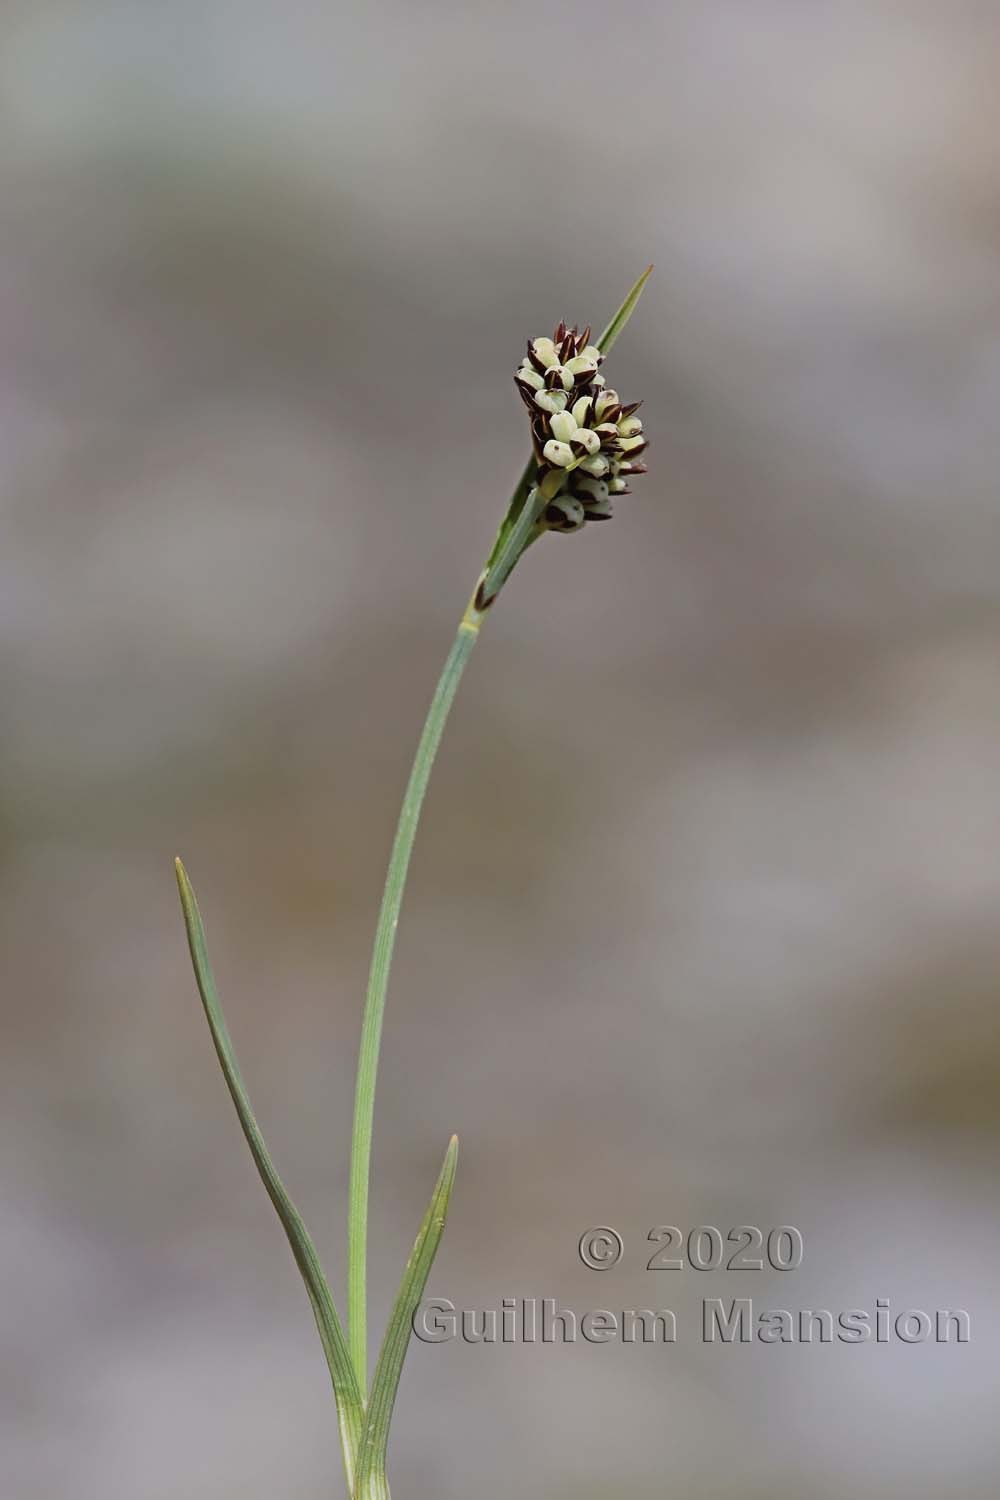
[(372, 1481), (350, 1408)]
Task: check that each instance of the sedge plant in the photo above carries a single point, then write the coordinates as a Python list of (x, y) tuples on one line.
[(586, 445)]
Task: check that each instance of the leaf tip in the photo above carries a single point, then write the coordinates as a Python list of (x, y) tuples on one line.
[(449, 1168), (621, 317)]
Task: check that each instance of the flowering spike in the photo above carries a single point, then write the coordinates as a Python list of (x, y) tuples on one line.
[(586, 441)]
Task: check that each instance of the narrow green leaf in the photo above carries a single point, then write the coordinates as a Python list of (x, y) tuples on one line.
[(350, 1408), (516, 511), (372, 1481), (511, 546), (623, 314)]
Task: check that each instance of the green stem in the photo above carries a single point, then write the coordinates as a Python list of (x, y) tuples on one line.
[(520, 528), (378, 981)]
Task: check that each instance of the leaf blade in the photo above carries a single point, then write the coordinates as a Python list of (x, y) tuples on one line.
[(372, 1482), (350, 1408), (623, 314)]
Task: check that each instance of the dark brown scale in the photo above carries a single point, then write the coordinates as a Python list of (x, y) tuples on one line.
[(556, 521), (534, 360)]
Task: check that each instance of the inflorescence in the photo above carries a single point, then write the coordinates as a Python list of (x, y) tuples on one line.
[(586, 442)]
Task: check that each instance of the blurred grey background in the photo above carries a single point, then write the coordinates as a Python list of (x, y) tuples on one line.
[(703, 925)]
